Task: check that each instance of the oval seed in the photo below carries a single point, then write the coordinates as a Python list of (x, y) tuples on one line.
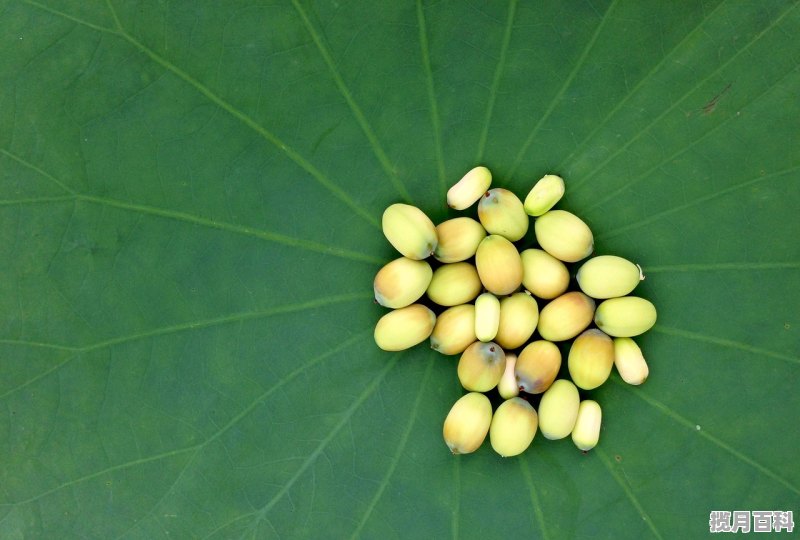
[(454, 330), (467, 423), (544, 195), (405, 327), (458, 239), (566, 316), (409, 230), (537, 366), (499, 265), (625, 317), (543, 275), (558, 410), (454, 284), (513, 427), (564, 235), (487, 316), (501, 212), (481, 366), (591, 357), (402, 282), (586, 432), (629, 361), (608, 276), (519, 315), (469, 189)]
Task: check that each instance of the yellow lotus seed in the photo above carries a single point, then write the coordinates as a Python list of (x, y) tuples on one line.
[(405, 327), (469, 189), (566, 316), (454, 284), (458, 239), (409, 230), (501, 212), (537, 366), (625, 317), (513, 427), (564, 235), (454, 330), (586, 432), (402, 282), (629, 361), (467, 423), (519, 315), (487, 316), (508, 387), (499, 265), (544, 195), (608, 276), (590, 359), (558, 410), (481, 366), (543, 275)]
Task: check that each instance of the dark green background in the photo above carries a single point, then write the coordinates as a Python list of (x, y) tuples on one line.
[(189, 225)]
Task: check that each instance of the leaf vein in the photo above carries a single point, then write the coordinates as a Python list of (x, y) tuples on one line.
[(713, 267), (261, 513), (356, 110), (696, 202), (401, 446), (72, 18), (291, 153), (277, 238), (434, 107), (664, 409), (628, 492), (455, 518), (228, 319), (725, 343), (498, 74), (197, 447), (560, 94), (41, 375), (680, 100), (33, 167), (537, 506), (641, 176), (638, 85)]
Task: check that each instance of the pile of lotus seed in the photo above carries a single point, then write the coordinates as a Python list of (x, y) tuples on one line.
[(480, 262)]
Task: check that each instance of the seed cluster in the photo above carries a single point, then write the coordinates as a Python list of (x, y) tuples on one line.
[(491, 295)]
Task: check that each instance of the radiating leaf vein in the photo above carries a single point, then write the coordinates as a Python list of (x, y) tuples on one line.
[(263, 234), (723, 267), (646, 174), (498, 74), (537, 506), (725, 343), (564, 86), (696, 202), (193, 325), (681, 99), (628, 491), (291, 153), (401, 446), (434, 108), (259, 515), (704, 433), (348, 97), (221, 431), (665, 58)]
